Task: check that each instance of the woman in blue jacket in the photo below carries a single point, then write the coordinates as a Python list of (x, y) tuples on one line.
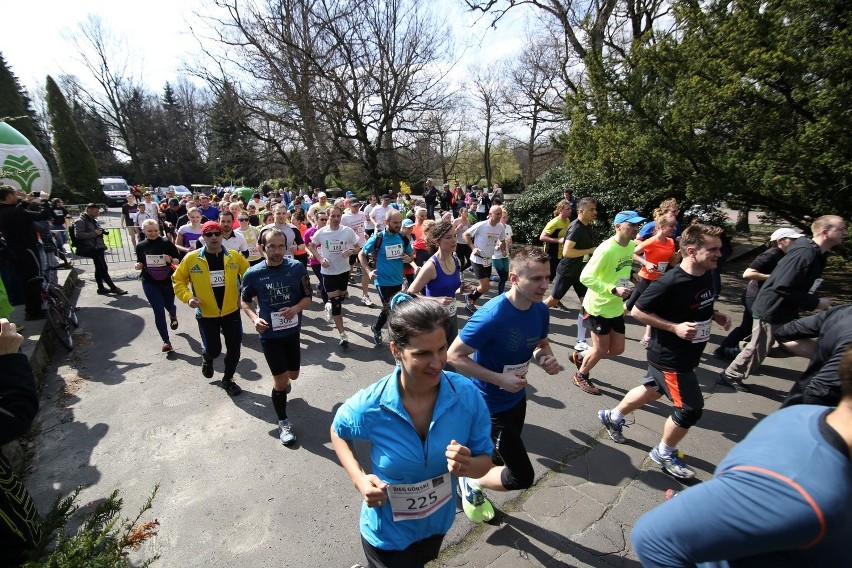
[(427, 427)]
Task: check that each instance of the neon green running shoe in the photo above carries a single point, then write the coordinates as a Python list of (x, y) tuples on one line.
[(474, 503)]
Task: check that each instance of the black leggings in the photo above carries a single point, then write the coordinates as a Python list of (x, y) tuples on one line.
[(101, 270), (386, 294), (509, 449), (744, 329), (316, 268), (231, 327), (463, 252), (416, 555)]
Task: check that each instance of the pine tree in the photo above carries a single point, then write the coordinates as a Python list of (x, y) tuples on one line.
[(76, 162)]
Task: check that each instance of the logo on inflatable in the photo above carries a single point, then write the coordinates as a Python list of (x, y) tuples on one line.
[(23, 167)]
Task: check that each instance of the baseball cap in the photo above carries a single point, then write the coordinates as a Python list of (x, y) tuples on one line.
[(321, 194), (408, 223), (174, 201), (353, 202), (386, 196), (349, 194), (785, 233), (628, 217), (211, 226)]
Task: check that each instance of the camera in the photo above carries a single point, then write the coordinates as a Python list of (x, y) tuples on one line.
[(104, 232)]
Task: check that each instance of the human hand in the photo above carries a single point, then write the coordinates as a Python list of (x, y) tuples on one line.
[(289, 312), (550, 364), (261, 325), (372, 489), (722, 319), (511, 382), (194, 302), (138, 266), (824, 304), (10, 339), (458, 458), (686, 330), (623, 292)]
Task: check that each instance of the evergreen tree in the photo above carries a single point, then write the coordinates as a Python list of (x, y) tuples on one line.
[(231, 154), (76, 162)]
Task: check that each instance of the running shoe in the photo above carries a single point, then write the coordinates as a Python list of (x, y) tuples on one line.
[(672, 463), (377, 335), (118, 291), (343, 341), (726, 353), (585, 384), (581, 345), (231, 387), (735, 384), (167, 347), (469, 304), (328, 317), (289, 387), (577, 359), (495, 278), (174, 323), (206, 368), (612, 428), (367, 301), (474, 503), (286, 436)]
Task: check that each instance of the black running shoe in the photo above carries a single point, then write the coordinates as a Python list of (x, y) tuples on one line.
[(207, 368), (231, 387)]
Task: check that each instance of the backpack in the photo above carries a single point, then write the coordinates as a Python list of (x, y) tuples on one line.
[(374, 258), (72, 235)]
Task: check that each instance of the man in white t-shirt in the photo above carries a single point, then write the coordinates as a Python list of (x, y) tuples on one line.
[(322, 204), (379, 212), (369, 226), (356, 220), (230, 239), (484, 238), (337, 244)]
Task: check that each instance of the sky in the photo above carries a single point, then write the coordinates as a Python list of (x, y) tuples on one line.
[(35, 39)]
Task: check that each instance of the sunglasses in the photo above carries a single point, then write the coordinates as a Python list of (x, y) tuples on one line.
[(243, 219), (213, 234)]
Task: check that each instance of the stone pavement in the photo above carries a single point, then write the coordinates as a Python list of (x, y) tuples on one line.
[(117, 413)]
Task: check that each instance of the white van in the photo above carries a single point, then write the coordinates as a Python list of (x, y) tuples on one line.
[(116, 190)]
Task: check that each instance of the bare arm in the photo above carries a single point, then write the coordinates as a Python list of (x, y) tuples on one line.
[(371, 488), (459, 356)]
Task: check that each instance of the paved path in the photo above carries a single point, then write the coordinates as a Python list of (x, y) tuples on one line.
[(117, 413)]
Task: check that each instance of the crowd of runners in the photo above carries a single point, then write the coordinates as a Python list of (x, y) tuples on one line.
[(450, 415)]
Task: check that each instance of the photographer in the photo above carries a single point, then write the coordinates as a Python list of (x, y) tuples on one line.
[(90, 243), (17, 224)]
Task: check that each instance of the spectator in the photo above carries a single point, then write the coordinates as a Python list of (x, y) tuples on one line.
[(90, 243)]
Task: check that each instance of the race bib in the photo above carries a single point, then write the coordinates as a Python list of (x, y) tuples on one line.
[(279, 322), (702, 331), (662, 266), (155, 260), (191, 244), (411, 501), (519, 369), (253, 251), (217, 278), (335, 246), (625, 283), (815, 286), (451, 308), (394, 251), (486, 262), (586, 257)]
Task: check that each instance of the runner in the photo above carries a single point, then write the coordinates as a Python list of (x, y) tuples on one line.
[(391, 251), (206, 280), (679, 308), (337, 244), (251, 235), (607, 276), (283, 291), (379, 212), (462, 224), (155, 257), (189, 234), (424, 425), (440, 277), (553, 234), (483, 238), (500, 258), (313, 262), (282, 223), (356, 220), (502, 337), (578, 246)]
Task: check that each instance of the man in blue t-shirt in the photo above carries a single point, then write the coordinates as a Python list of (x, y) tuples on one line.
[(495, 349), (392, 252), (283, 291), (781, 497)]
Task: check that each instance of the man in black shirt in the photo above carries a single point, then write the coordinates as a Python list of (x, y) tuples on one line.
[(791, 287), (679, 308)]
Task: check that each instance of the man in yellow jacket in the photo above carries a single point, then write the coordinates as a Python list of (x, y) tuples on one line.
[(207, 279)]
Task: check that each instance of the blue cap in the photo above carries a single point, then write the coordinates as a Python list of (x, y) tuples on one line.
[(628, 217), (349, 193), (408, 223)]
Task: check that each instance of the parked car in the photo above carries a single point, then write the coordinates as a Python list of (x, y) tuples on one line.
[(115, 189)]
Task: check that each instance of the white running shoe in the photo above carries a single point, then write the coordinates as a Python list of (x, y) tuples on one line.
[(344, 341), (286, 436), (328, 317), (582, 346), (367, 301)]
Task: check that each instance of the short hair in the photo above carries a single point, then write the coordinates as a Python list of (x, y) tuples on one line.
[(560, 207), (226, 213), (525, 254), (5, 191), (92, 206), (586, 202), (265, 234), (693, 236), (149, 222), (193, 210), (415, 317), (844, 371), (825, 223)]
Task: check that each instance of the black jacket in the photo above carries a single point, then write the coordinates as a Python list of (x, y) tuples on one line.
[(16, 224), (788, 289)]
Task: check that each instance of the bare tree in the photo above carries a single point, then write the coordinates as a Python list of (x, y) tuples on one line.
[(487, 95)]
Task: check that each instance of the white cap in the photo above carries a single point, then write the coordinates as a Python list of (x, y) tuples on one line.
[(786, 233), (320, 194)]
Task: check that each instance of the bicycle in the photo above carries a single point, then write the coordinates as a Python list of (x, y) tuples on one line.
[(61, 315)]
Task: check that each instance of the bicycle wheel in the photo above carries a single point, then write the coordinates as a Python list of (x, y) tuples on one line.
[(64, 305), (60, 325)]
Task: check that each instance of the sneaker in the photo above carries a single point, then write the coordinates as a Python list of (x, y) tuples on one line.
[(612, 428), (174, 323), (289, 387), (118, 291), (206, 368), (577, 359), (103, 291), (726, 353), (735, 384), (377, 335), (231, 387), (469, 304), (328, 316), (585, 384), (672, 463), (343, 341), (475, 505), (167, 347), (582, 346), (367, 301), (286, 436), (495, 278)]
